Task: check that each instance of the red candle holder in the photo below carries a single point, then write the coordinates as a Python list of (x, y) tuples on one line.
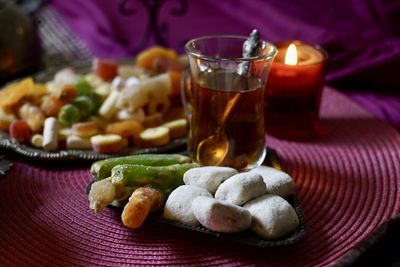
[(293, 92)]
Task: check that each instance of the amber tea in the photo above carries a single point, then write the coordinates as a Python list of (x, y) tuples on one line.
[(226, 109)]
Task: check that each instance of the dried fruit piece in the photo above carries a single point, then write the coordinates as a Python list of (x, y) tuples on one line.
[(160, 177), (156, 136), (51, 105), (142, 201), (13, 93), (107, 144), (37, 140), (153, 120), (177, 128), (33, 115), (102, 169), (6, 119), (85, 129), (20, 131), (106, 69), (147, 58), (101, 194), (67, 94), (76, 142), (125, 128), (64, 133), (176, 77)]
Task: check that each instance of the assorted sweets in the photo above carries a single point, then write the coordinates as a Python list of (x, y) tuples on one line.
[(218, 198), (114, 106)]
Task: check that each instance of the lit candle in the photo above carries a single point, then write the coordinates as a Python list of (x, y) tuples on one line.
[(291, 55), (294, 89)]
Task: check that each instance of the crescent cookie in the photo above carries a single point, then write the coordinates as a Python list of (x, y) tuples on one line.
[(209, 177), (221, 216), (241, 188), (179, 203), (277, 182), (272, 216)]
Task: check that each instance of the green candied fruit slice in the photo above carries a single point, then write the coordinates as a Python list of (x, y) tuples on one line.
[(85, 104), (68, 115), (83, 87)]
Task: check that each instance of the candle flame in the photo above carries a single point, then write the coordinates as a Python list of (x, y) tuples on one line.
[(291, 55)]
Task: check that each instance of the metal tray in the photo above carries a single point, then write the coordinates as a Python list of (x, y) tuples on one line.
[(47, 74)]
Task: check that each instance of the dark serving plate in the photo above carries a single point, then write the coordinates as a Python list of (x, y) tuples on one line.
[(47, 74), (246, 237)]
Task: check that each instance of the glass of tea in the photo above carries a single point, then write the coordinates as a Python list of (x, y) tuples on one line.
[(224, 98)]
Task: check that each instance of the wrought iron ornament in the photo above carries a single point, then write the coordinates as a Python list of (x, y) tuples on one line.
[(154, 27)]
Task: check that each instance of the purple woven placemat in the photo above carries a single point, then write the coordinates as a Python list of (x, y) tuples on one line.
[(347, 182)]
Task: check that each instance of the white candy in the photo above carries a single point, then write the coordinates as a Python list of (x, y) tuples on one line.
[(127, 71), (272, 216), (37, 140), (118, 83), (157, 87), (132, 81), (208, 177), (277, 182), (50, 134), (133, 97), (109, 106), (179, 203), (125, 114), (240, 188), (66, 76), (221, 216)]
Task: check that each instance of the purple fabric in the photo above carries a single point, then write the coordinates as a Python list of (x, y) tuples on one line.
[(359, 35), (384, 106), (362, 37)]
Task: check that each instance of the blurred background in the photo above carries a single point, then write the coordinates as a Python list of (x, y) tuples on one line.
[(362, 38)]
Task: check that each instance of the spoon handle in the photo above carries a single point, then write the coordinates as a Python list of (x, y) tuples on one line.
[(250, 49), (228, 108)]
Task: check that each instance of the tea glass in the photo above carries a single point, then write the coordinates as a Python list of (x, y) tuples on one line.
[(224, 98)]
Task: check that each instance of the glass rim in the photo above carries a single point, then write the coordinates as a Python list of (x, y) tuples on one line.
[(191, 51)]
